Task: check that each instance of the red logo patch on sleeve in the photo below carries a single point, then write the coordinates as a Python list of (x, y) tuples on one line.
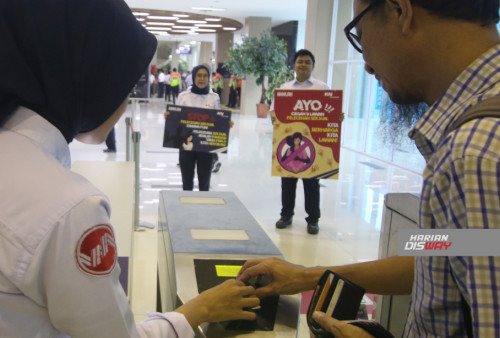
[(96, 251)]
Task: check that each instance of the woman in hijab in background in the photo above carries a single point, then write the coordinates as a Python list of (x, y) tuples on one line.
[(199, 96), (66, 68)]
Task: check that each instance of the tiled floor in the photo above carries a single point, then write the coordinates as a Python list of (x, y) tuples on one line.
[(351, 206)]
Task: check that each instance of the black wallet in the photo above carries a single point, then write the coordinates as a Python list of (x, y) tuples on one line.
[(337, 297)]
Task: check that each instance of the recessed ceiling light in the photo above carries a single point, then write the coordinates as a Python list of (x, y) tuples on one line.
[(179, 31), (191, 21), (162, 17), (140, 19), (207, 25), (208, 9), (204, 30), (229, 28), (183, 27), (212, 19), (158, 33), (182, 15), (158, 28), (161, 23), (140, 13)]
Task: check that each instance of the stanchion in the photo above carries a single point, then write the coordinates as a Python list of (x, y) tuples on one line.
[(136, 138), (128, 127)]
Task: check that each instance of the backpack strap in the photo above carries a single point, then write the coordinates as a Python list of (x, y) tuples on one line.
[(489, 107)]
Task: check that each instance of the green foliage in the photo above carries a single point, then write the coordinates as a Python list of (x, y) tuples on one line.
[(181, 68), (278, 80), (261, 57)]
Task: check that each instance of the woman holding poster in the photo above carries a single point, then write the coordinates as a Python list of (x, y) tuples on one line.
[(198, 96)]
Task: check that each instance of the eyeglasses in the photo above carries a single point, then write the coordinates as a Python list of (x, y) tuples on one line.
[(353, 38)]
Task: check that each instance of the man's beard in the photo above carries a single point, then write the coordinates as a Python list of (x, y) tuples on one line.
[(398, 119)]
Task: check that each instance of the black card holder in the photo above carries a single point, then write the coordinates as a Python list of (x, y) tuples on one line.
[(337, 297)]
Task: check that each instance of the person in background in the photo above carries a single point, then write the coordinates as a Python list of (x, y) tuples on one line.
[(189, 80), (59, 271), (233, 93), (303, 66), (175, 82), (198, 96), (168, 88), (110, 142), (446, 54), (161, 83), (153, 85)]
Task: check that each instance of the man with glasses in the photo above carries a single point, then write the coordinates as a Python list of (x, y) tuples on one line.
[(445, 53)]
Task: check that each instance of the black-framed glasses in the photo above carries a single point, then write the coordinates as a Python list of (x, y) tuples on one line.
[(354, 38)]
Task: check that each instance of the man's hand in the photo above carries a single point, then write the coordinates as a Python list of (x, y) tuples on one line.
[(286, 278), (273, 116), (338, 328), (166, 113)]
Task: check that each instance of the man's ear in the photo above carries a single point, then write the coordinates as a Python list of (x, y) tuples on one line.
[(404, 10)]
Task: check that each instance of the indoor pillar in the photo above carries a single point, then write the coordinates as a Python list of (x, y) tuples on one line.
[(318, 35)]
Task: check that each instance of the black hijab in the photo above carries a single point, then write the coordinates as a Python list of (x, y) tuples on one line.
[(194, 88), (71, 61)]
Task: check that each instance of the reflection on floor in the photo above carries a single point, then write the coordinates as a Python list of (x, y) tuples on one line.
[(351, 206)]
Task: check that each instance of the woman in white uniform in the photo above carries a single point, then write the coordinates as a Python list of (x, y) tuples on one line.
[(198, 96), (67, 69)]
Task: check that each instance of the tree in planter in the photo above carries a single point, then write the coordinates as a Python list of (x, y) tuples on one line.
[(278, 80), (261, 57)]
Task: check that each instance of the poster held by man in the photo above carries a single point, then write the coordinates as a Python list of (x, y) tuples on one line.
[(306, 138)]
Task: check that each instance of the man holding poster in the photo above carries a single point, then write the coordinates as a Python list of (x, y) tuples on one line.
[(294, 153)]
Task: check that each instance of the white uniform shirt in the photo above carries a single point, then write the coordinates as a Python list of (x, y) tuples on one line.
[(190, 99), (161, 77), (189, 80), (49, 216), (310, 83)]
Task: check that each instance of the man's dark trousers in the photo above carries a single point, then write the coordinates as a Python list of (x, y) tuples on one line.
[(311, 197)]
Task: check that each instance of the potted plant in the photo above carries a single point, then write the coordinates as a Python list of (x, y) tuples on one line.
[(261, 57), (278, 80)]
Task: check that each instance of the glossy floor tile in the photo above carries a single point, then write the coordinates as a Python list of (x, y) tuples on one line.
[(351, 206)]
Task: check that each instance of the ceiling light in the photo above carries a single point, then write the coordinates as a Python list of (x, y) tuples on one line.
[(229, 28), (158, 33), (183, 27), (212, 19), (162, 17), (161, 23), (159, 28), (191, 21), (204, 30), (140, 19), (140, 13), (207, 25), (182, 15), (179, 31), (208, 9)]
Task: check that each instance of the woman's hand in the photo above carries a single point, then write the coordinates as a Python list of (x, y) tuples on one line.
[(226, 301)]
